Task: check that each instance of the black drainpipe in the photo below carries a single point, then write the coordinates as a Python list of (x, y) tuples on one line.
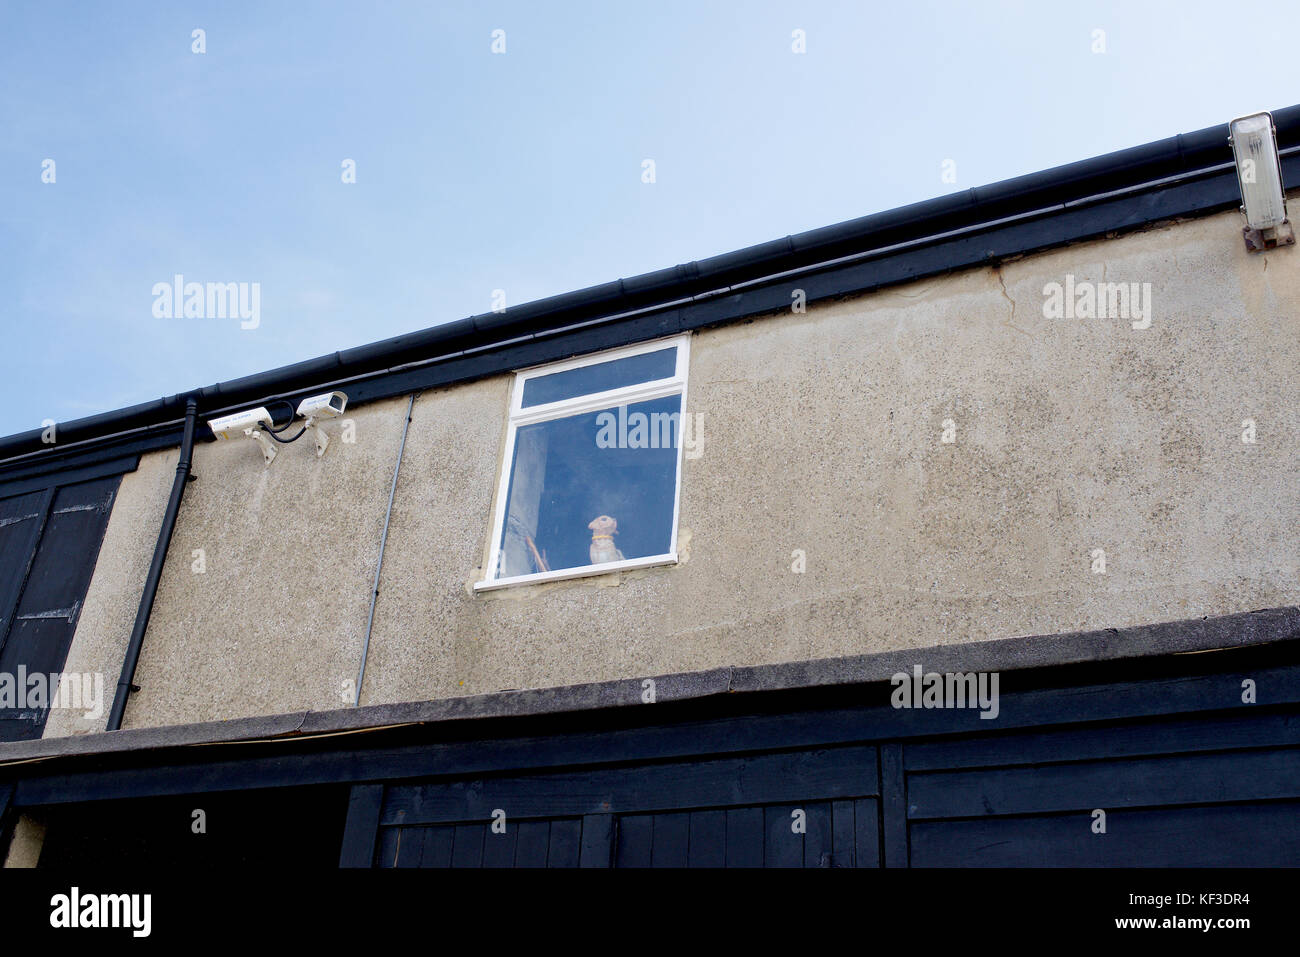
[(183, 477)]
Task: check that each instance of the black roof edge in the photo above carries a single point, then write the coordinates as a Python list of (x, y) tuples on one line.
[(1056, 188), (1131, 644)]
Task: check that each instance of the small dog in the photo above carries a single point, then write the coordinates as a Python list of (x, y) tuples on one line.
[(603, 529)]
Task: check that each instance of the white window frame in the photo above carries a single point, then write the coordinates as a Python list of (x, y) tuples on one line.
[(588, 402)]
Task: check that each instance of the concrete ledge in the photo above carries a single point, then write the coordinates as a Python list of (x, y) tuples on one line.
[(1038, 651), (1007, 654)]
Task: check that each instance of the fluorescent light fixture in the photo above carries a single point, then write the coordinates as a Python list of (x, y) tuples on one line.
[(1259, 173)]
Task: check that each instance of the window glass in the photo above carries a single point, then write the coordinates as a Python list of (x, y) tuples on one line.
[(600, 377), (593, 487)]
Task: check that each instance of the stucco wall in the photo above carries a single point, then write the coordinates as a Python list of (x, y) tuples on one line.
[(822, 433), (26, 843), (113, 598)]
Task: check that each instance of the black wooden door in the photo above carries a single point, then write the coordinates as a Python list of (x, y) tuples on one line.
[(49, 542), (1195, 763), (802, 834), (809, 808)]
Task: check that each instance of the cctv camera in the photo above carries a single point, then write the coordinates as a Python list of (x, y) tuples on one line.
[(235, 426), (327, 406), (248, 423)]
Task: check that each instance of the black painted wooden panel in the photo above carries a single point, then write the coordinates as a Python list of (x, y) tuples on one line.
[(69, 545), (61, 533), (767, 836), (1202, 778), (499, 846), (844, 835), (410, 848), (566, 843), (39, 645), (75, 470), (782, 847), (386, 852), (7, 816), (467, 847), (528, 843), (1229, 835), (708, 839), (22, 519), (672, 837), (533, 843), (893, 805), (1252, 726), (758, 779), (597, 840), (436, 844), (745, 837), (635, 841), (954, 809), (359, 828), (867, 827), (818, 841)]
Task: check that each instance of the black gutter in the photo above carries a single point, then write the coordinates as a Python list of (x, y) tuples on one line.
[(125, 683), (1178, 156)]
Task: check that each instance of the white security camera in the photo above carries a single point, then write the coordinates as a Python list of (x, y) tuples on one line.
[(250, 423), (233, 426), (327, 406)]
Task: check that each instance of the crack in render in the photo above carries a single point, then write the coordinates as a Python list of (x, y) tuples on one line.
[(997, 271)]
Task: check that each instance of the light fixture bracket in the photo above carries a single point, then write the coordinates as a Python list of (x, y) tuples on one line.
[(268, 450), (1258, 240), (317, 430)]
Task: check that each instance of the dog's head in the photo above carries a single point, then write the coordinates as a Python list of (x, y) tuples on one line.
[(603, 525)]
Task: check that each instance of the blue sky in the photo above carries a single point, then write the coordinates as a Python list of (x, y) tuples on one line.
[(519, 171)]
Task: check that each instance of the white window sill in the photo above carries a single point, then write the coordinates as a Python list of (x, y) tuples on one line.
[(586, 571)]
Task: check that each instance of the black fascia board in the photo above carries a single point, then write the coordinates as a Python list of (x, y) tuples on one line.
[(1186, 175), (1134, 649), (1097, 693)]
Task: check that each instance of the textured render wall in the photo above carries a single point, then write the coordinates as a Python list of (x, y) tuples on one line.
[(114, 594), (276, 620), (822, 433), (26, 843)]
